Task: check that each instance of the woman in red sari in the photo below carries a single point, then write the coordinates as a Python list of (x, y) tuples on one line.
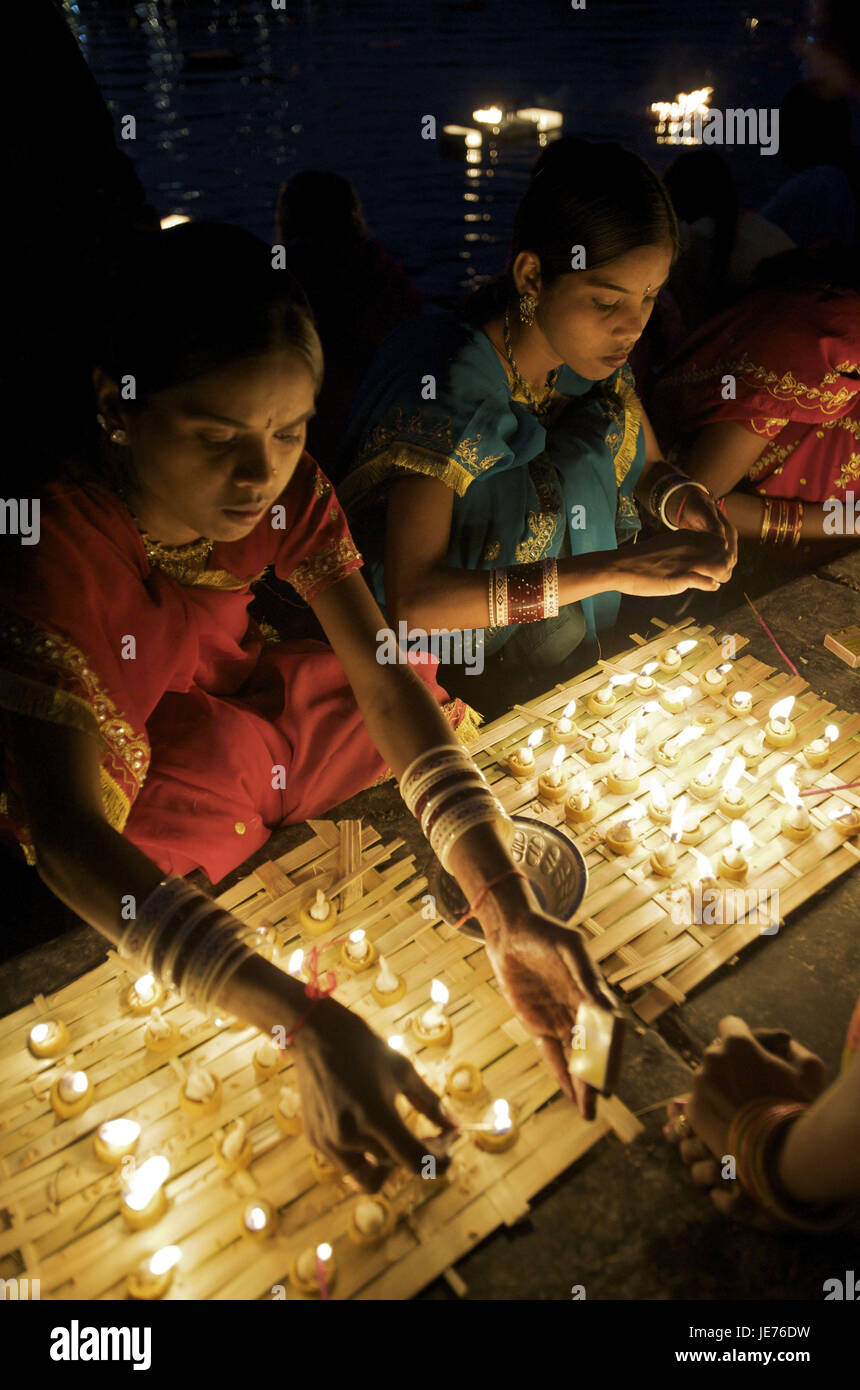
[(151, 729), (763, 403)]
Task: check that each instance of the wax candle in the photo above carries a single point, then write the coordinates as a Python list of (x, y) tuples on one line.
[(144, 994), (313, 1270), (732, 801), (154, 1276), (645, 681), (49, 1038), (295, 963), (371, 1220), (267, 1059), (500, 1131), (705, 784), (623, 776), (579, 808), (318, 914), (564, 730), (780, 731), (599, 701), (704, 891), (465, 1082), (796, 823), (740, 702), (752, 747), (733, 860), (160, 1034), (669, 752), (664, 859), (521, 762), (597, 750), (658, 805), (201, 1094), (388, 988), (144, 1202), (670, 658), (114, 1140), (714, 679), (674, 698), (358, 953), (553, 784), (71, 1094), (692, 830), (258, 1220), (817, 753), (620, 837), (288, 1115), (234, 1151), (846, 819), (433, 1027)]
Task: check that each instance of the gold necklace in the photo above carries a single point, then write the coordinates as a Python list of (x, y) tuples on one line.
[(538, 406), (182, 562)]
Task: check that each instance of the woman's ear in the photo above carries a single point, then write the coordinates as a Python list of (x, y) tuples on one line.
[(107, 396), (526, 274)]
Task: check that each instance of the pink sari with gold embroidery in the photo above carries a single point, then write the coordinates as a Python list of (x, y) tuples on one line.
[(211, 735), (789, 362)]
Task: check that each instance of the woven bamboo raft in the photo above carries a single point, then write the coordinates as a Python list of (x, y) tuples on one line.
[(63, 1224), (629, 914)]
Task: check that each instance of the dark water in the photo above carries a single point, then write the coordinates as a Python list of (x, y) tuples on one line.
[(344, 86)]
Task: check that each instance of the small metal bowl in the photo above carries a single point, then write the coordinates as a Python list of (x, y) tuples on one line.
[(552, 862)]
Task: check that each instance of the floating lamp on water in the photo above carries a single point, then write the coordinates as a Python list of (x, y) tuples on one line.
[(580, 806), (489, 115), (623, 776), (173, 219), (71, 1094), (780, 731), (671, 657), (318, 914), (733, 862), (714, 680), (796, 823), (602, 700), (144, 994), (676, 120), (500, 1132), (669, 752), (521, 762), (153, 1277), (433, 1027), (358, 953), (49, 1038), (460, 139), (144, 1202), (388, 987), (553, 784), (705, 784), (817, 753), (645, 682), (542, 117), (564, 729), (732, 801), (114, 1140), (674, 698)]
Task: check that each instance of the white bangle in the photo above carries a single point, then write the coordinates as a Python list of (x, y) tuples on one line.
[(700, 487)]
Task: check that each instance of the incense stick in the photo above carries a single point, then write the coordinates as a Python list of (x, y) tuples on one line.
[(785, 658)]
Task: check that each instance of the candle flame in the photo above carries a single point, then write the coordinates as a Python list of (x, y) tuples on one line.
[(324, 1252), (622, 680), (296, 961), (75, 1081), (533, 739), (678, 692), (568, 709), (501, 1115), (357, 936), (676, 824), (703, 864), (713, 765), (255, 1218), (119, 1132), (659, 797), (733, 776), (831, 733), (558, 757), (39, 1033), (782, 709), (438, 992), (147, 1179), (164, 1259), (627, 743), (786, 779), (144, 988), (846, 813), (649, 668), (742, 697), (686, 646), (674, 745), (725, 668), (741, 837), (395, 1042), (488, 115)]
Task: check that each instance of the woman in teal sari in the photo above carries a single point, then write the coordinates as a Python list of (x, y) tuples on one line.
[(496, 457)]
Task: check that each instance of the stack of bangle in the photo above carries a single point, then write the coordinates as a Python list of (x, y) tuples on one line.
[(187, 941), (782, 521), (448, 795), (754, 1137), (523, 593), (667, 486)]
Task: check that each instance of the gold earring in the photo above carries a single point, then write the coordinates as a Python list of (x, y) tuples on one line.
[(118, 437), (528, 304)]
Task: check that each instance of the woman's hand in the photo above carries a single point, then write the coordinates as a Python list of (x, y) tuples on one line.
[(348, 1079), (670, 563), (544, 973), (701, 513)]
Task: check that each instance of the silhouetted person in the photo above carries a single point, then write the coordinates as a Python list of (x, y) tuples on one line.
[(819, 202), (357, 292)]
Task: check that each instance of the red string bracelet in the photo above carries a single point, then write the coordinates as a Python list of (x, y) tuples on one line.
[(314, 991), (684, 500), (470, 911)]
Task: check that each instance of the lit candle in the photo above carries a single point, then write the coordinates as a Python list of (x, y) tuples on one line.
[(670, 751), (605, 699), (674, 698), (295, 963), (714, 679), (752, 746), (48, 1039), (658, 805), (358, 953), (780, 731), (396, 1042), (71, 1094), (143, 1202), (564, 730), (388, 987), (645, 681), (433, 1027), (143, 994), (670, 658), (152, 1279), (621, 837), (553, 784), (597, 750), (692, 830), (500, 1131), (521, 761), (740, 702), (732, 802), (114, 1139), (846, 819), (704, 784), (579, 807), (312, 1272), (623, 776), (664, 859), (258, 1220), (705, 885), (817, 752), (733, 860), (796, 823)]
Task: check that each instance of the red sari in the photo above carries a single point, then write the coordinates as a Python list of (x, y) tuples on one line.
[(212, 735), (795, 358)]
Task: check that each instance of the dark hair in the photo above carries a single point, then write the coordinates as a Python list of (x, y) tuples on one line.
[(598, 196), (700, 184), (197, 297), (321, 206)]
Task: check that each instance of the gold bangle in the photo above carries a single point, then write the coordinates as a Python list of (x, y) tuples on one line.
[(765, 525), (798, 524)]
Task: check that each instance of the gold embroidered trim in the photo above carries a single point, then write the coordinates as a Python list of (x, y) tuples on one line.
[(784, 388), (417, 447), (408, 459), (769, 425), (623, 437), (774, 453), (850, 471), (491, 551), (469, 728), (322, 486), (335, 562), (219, 579), (543, 524)]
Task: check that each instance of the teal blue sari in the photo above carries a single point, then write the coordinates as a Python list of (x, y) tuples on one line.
[(437, 402)]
